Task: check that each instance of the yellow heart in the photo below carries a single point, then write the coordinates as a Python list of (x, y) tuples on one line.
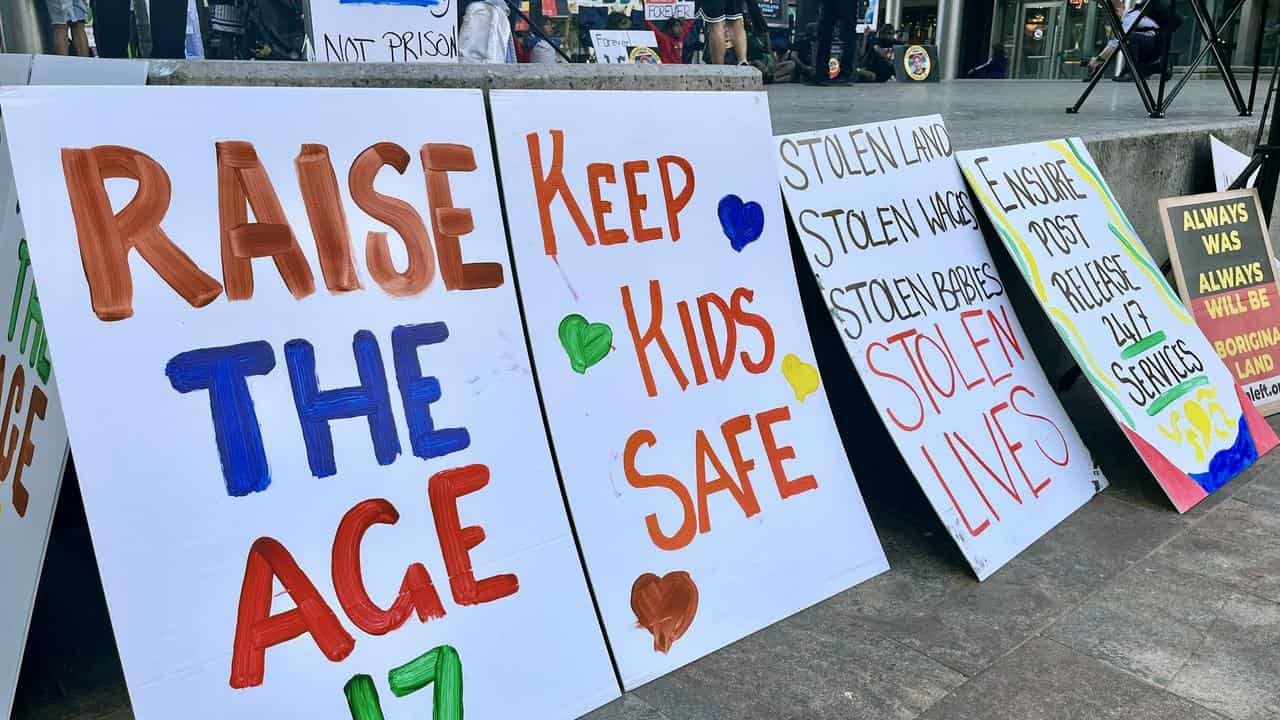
[(801, 376)]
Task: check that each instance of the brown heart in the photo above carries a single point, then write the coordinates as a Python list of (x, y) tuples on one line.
[(665, 606)]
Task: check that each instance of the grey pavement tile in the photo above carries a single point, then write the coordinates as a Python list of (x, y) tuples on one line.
[(627, 707), (1234, 544), (1264, 489), (1236, 671), (111, 703), (1043, 680), (812, 666), (936, 606), (1150, 621)]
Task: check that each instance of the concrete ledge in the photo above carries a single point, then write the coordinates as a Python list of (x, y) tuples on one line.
[(487, 77)]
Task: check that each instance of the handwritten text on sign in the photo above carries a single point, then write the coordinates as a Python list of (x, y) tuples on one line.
[(695, 442), (354, 432), (1111, 305), (396, 31), (32, 434), (890, 233), (1225, 270)]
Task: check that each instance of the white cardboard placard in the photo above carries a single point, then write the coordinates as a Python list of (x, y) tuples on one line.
[(893, 240), (70, 70), (1228, 163), (680, 565), (1134, 340), (613, 46), (396, 31), (176, 514), (15, 68), (33, 415)]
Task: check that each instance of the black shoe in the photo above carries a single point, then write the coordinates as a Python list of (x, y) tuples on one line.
[(1125, 76)]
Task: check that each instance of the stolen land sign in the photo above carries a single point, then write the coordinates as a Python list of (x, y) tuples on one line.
[(1226, 274), (890, 234), (1140, 348)]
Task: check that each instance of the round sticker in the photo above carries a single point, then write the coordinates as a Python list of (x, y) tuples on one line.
[(644, 56), (833, 68), (917, 63), (1038, 34)]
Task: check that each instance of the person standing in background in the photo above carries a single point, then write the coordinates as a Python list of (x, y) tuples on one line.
[(111, 28), (168, 29), (69, 15), (832, 12), (716, 15)]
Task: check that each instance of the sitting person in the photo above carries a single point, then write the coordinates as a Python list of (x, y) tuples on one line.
[(877, 54), (1148, 42), (801, 53), (995, 68), (671, 36)]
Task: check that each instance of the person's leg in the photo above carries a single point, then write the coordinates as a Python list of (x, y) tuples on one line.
[(80, 39), (738, 31), (715, 41), (822, 53), (59, 38), (111, 27), (168, 29), (849, 38)]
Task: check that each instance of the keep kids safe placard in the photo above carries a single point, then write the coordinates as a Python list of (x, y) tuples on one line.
[(300, 398), (1135, 341), (1226, 274), (707, 482), (34, 450), (890, 233)]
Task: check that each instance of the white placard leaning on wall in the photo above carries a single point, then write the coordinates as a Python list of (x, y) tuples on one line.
[(706, 479), (355, 434), (892, 237), (35, 454)]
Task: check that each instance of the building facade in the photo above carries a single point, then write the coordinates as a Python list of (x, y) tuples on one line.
[(1052, 39)]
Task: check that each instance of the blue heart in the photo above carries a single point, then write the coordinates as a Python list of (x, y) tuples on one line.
[(742, 222)]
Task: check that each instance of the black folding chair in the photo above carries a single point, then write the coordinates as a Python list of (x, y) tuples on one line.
[(1214, 46)]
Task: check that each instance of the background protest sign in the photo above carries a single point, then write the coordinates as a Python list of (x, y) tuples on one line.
[(614, 46), (1141, 350), (32, 461), (1225, 269), (321, 481), (889, 232), (668, 9), (397, 31), (626, 7), (706, 479)]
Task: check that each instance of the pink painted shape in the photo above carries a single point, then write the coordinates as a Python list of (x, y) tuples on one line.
[(1181, 489)]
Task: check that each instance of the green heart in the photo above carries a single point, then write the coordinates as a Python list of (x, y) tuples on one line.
[(585, 343)]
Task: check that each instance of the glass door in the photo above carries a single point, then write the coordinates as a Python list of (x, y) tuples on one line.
[(1039, 40)]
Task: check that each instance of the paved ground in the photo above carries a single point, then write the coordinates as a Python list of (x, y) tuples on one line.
[(1127, 610), (1003, 112)]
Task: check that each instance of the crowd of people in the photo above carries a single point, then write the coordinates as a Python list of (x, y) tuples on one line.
[(732, 32)]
